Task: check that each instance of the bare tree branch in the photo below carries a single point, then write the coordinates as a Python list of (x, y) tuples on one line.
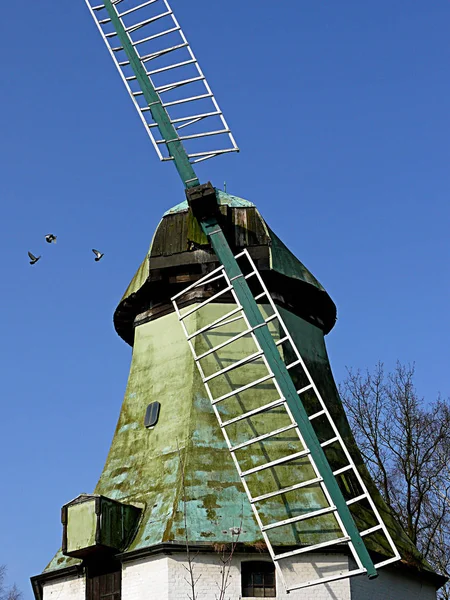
[(405, 443)]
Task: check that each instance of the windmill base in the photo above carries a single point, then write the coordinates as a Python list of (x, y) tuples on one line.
[(165, 577)]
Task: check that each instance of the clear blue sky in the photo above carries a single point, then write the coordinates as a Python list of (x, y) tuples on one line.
[(341, 110)]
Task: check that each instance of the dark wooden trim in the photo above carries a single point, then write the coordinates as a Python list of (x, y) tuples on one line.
[(37, 581)]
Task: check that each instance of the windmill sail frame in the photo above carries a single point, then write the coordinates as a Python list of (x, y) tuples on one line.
[(173, 95), (238, 312)]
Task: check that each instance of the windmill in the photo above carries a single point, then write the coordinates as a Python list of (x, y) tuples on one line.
[(301, 479)]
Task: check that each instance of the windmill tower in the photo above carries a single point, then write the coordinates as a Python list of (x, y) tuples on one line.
[(231, 432)]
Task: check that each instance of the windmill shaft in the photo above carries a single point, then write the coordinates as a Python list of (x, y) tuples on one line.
[(222, 249), (159, 113)]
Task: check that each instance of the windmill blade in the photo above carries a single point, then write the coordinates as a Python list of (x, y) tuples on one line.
[(163, 78), (301, 480)]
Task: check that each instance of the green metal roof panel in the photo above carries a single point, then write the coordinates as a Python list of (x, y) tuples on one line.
[(286, 263), (143, 466)]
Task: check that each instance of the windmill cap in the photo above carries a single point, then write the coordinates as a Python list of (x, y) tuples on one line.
[(180, 251)]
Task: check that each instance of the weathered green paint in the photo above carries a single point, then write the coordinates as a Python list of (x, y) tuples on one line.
[(222, 249), (159, 113), (143, 466), (81, 526)]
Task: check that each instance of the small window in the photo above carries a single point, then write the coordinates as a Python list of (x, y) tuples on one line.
[(152, 414), (104, 583), (258, 579)]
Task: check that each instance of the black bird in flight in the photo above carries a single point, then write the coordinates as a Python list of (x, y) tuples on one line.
[(98, 255), (49, 238), (33, 259)]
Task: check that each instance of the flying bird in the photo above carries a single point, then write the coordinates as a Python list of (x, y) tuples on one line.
[(49, 238), (98, 255), (33, 259)]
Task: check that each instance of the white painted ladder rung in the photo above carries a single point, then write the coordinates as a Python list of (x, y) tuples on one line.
[(275, 463), (371, 530), (151, 30), (235, 338), (252, 413), (329, 442), (340, 536), (205, 302), (286, 490), (310, 515), (195, 136), (239, 363), (217, 323), (356, 499), (340, 540), (262, 437), (243, 388), (342, 470)]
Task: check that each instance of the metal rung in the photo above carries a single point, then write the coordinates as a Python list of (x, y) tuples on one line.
[(205, 302), (206, 280), (383, 563), (291, 488), (191, 99), (243, 388), (224, 344), (176, 84), (274, 463), (304, 389), (311, 548), (195, 135), (213, 152), (134, 9), (356, 499), (317, 414), (322, 580), (163, 69), (153, 55), (311, 515), (342, 470), (156, 36), (169, 67), (263, 437), (330, 441), (239, 363), (370, 530), (213, 113), (255, 411), (282, 340), (147, 39), (294, 364), (259, 296), (146, 22), (215, 323)]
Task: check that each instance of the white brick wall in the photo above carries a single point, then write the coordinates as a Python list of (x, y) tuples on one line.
[(68, 588), (164, 578), (209, 567), (390, 585), (146, 578)]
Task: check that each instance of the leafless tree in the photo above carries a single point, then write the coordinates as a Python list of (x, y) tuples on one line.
[(226, 553), (190, 568), (8, 593), (405, 443)]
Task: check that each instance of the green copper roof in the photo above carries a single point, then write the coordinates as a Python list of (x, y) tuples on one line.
[(143, 466)]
